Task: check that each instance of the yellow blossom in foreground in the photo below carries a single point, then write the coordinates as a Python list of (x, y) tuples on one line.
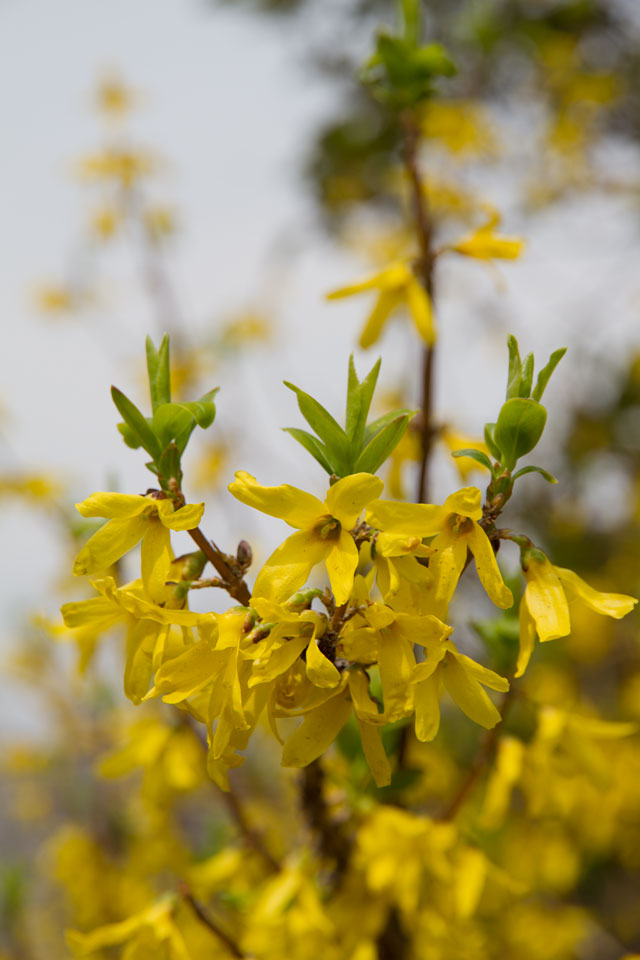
[(485, 244), (397, 285), (455, 528), (133, 518), (544, 608), (323, 532)]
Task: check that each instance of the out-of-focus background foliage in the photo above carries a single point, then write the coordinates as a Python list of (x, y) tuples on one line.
[(265, 176)]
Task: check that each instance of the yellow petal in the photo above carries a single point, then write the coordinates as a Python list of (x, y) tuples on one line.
[(320, 670), (364, 707), (490, 679), (615, 605), (546, 600), (347, 498), (396, 663), (277, 661), (487, 567), (141, 640), (468, 694), (378, 616), (290, 564), (156, 557), (409, 519), (384, 305), (527, 638), (393, 277), (187, 673), (114, 506), (445, 567), (316, 733), (466, 502), (186, 518), (427, 707), (108, 544), (419, 303), (98, 612), (297, 508), (470, 876), (375, 754), (341, 563)]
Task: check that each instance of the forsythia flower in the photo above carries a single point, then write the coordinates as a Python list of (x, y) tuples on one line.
[(323, 532), (133, 518), (485, 244), (145, 932), (397, 285), (456, 529), (544, 608)]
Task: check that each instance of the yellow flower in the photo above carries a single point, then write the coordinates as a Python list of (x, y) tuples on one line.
[(463, 679), (52, 298), (456, 529), (485, 244), (544, 608), (105, 222), (145, 933), (454, 440), (113, 97), (133, 518), (397, 285), (119, 165), (323, 532)]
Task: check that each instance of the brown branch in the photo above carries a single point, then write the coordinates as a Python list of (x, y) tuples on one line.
[(252, 836), (234, 585), (211, 924), (425, 270), (482, 760), (332, 840)]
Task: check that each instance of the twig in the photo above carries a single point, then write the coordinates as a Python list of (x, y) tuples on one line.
[(234, 585), (204, 918), (252, 836), (333, 843), (481, 761)]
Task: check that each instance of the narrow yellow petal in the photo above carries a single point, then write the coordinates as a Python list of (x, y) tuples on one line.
[(317, 732), (289, 566), (546, 601), (364, 707), (294, 506), (446, 567), (114, 506), (189, 672), (468, 693), (347, 498), (141, 640), (527, 638), (396, 663), (487, 568), (466, 502), (156, 557), (341, 563), (376, 281), (419, 303), (277, 661), (375, 753), (108, 544), (427, 706), (615, 605), (409, 519), (490, 679), (186, 518), (320, 670), (384, 305)]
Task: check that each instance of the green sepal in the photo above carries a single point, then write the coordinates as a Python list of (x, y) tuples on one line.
[(476, 455), (545, 374), (139, 425), (329, 431), (382, 445), (159, 372), (313, 446), (359, 397), (520, 425), (531, 469), (489, 439)]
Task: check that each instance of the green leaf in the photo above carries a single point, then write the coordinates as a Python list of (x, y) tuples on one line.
[(329, 431), (158, 370), (531, 469), (383, 443), (313, 446), (489, 439), (359, 397), (515, 368), (411, 21), (519, 427), (526, 377), (476, 455), (169, 466), (129, 436), (545, 374), (376, 425), (138, 424), (172, 422)]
